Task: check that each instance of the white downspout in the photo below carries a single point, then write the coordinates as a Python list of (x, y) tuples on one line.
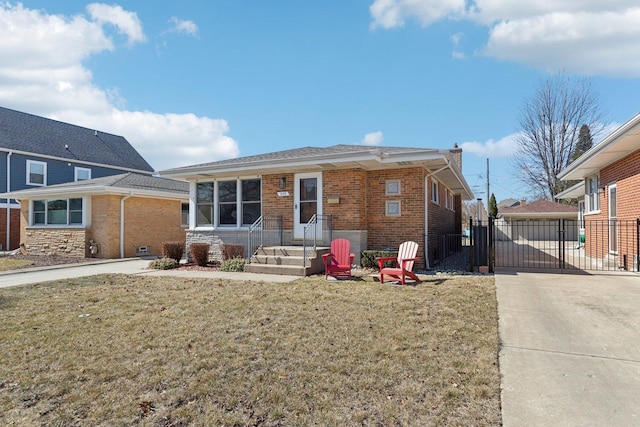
[(122, 224), (8, 242)]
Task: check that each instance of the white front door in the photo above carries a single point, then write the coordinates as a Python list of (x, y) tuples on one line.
[(307, 200)]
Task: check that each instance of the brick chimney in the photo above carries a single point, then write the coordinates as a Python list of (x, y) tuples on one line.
[(456, 155)]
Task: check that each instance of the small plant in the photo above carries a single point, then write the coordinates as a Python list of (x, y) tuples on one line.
[(199, 253), (163, 264), (232, 251), (233, 264), (369, 259), (173, 250)]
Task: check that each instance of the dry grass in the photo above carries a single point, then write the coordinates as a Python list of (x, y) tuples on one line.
[(165, 351), (13, 264)]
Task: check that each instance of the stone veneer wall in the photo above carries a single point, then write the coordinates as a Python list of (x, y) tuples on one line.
[(68, 242)]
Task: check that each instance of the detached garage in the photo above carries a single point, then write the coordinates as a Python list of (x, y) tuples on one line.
[(541, 220)]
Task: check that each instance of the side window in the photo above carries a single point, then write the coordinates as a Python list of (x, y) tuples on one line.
[(435, 191), (36, 173), (82, 174), (184, 221)]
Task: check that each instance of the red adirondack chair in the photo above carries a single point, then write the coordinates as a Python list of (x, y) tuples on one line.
[(404, 263), (337, 263)]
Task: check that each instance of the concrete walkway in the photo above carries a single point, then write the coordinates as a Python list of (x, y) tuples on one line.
[(570, 348), (136, 266)]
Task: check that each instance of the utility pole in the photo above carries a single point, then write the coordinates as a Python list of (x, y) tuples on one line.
[(488, 194)]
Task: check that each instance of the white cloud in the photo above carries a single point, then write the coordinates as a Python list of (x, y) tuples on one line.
[(42, 73), (373, 138), (603, 43), (393, 13), (182, 26), (126, 22), (504, 147), (590, 37)]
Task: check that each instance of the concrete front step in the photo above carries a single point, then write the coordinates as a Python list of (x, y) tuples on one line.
[(287, 270), (286, 260)]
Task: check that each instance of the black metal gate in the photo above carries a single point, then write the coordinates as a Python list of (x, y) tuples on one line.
[(561, 244)]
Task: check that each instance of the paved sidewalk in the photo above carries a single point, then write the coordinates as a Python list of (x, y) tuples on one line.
[(570, 349), (124, 266)]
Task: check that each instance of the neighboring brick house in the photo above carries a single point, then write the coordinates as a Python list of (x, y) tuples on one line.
[(36, 152), (377, 197), (608, 193), (118, 216)]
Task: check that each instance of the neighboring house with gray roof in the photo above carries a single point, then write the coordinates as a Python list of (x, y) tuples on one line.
[(377, 197), (36, 152), (116, 216), (539, 221)]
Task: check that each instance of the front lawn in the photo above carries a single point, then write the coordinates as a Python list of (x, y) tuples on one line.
[(123, 350)]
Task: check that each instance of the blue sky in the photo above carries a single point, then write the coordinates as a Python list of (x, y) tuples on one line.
[(198, 81)]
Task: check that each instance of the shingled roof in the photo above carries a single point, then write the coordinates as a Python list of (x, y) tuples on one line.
[(540, 209), (28, 133), (126, 183), (305, 153)]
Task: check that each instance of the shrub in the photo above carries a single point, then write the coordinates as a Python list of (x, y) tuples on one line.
[(163, 263), (369, 259), (199, 253), (232, 251), (233, 264), (173, 250)]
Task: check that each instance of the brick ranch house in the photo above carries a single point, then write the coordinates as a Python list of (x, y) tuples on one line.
[(117, 216), (377, 197), (607, 194)]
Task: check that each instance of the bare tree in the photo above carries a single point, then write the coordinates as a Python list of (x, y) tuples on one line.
[(550, 123)]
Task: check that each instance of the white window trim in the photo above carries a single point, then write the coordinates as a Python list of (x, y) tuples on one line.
[(182, 223), (389, 203), (589, 210), (435, 191), (392, 184), (216, 205), (83, 224), (79, 169), (44, 171)]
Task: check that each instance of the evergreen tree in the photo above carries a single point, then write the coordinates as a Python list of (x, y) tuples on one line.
[(584, 142), (493, 206)]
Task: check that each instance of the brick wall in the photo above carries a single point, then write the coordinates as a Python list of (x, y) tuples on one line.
[(389, 231), (148, 222), (350, 188), (625, 173), (442, 221), (105, 225), (274, 205)]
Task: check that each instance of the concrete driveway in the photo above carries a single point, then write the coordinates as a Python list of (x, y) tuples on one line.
[(570, 348)]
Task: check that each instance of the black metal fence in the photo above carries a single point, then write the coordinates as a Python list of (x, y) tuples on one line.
[(564, 244)]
